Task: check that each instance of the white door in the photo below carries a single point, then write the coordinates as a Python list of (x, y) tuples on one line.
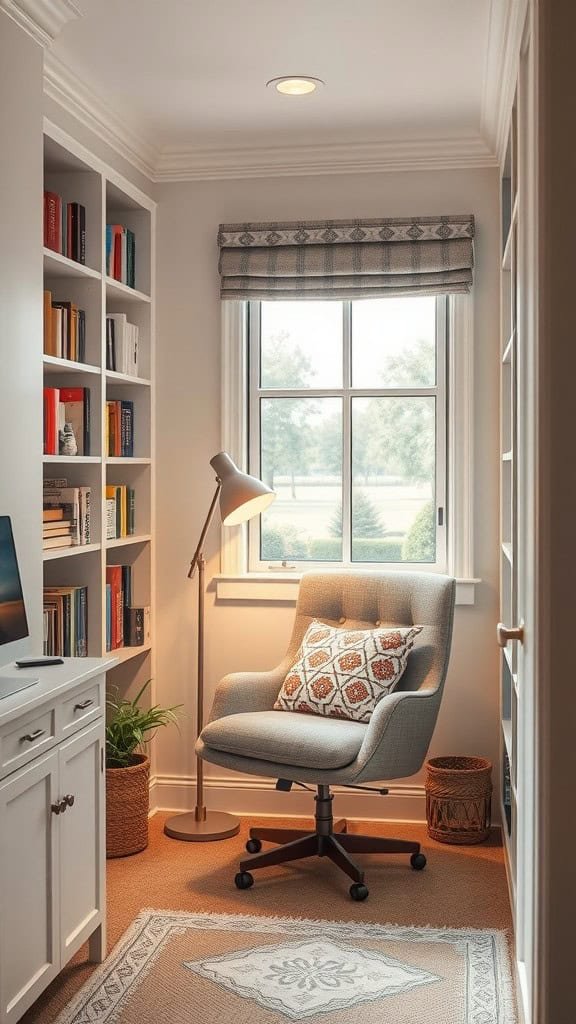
[(516, 632), (29, 885), (82, 840)]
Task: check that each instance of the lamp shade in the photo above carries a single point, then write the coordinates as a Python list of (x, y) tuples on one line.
[(241, 496)]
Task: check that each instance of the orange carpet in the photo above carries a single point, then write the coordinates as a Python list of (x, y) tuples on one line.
[(460, 887)]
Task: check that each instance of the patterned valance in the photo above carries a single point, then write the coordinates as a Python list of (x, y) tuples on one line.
[(337, 259)]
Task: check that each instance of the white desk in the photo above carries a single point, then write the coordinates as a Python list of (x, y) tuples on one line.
[(52, 827)]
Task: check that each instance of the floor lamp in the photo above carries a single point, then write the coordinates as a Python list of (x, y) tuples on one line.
[(240, 497)]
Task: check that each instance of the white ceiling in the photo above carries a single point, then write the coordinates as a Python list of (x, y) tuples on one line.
[(189, 74)]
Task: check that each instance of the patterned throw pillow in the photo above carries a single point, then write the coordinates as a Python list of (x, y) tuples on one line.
[(343, 673)]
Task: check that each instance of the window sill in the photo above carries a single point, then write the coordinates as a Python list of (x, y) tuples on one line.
[(283, 587)]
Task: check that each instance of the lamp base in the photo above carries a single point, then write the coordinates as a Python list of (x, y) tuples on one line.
[(216, 825)]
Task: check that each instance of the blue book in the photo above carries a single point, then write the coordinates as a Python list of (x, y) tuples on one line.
[(108, 249)]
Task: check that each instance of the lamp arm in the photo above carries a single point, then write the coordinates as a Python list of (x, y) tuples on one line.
[(205, 528)]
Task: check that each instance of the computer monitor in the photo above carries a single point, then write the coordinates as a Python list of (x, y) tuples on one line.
[(14, 633)]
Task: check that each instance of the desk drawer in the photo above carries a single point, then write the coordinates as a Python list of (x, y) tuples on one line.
[(82, 707), (25, 739)]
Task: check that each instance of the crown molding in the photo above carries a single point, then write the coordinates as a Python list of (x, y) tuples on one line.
[(71, 93), (41, 19), (197, 164), (506, 20)]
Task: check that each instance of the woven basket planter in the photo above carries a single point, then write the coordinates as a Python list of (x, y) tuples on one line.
[(458, 799), (127, 805)]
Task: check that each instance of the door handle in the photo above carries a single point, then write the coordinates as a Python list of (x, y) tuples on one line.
[(68, 800), (31, 736), (506, 633)]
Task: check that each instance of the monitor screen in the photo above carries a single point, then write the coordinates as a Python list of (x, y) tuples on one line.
[(13, 622)]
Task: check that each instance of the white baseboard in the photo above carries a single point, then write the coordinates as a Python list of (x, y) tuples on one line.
[(247, 796)]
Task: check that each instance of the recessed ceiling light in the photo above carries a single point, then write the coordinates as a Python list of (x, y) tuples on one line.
[(297, 85)]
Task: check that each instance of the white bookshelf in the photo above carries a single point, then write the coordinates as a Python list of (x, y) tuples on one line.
[(78, 176)]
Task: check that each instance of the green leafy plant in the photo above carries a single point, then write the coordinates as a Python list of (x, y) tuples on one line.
[(130, 726), (420, 542)]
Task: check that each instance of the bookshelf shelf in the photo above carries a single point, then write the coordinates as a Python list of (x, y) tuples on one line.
[(79, 549), (76, 176), (127, 460), (125, 378), (52, 364), (122, 542), (72, 460), (117, 290), (125, 654), (56, 265)]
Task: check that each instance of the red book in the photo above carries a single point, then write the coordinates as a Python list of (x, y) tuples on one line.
[(116, 253), (114, 578), (69, 244), (53, 221), (51, 402)]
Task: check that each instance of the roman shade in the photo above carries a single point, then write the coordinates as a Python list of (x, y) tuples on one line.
[(347, 259)]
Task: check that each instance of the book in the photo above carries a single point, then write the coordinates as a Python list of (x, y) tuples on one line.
[(121, 254), (114, 578), (51, 420), (61, 529), (137, 626), (53, 221), (130, 511), (52, 515), (57, 542), (108, 617), (111, 518)]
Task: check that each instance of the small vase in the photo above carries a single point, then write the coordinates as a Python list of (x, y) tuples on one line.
[(67, 444)]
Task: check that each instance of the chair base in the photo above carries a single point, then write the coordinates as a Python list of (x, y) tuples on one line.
[(330, 839)]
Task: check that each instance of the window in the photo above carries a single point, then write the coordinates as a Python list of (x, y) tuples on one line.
[(347, 422)]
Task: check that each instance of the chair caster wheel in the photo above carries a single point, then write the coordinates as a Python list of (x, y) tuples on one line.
[(418, 861), (243, 880), (358, 892), (254, 845)]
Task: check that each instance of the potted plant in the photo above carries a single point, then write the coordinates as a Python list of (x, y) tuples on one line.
[(129, 727)]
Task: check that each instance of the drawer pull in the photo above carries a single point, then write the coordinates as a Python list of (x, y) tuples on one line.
[(83, 704), (31, 736)]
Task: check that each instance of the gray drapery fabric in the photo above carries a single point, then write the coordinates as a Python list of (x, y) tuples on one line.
[(347, 259)]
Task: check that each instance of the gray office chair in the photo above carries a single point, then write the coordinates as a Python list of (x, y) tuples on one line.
[(247, 735)]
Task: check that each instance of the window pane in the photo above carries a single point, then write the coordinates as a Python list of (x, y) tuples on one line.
[(394, 343), (301, 345), (393, 480), (301, 458)]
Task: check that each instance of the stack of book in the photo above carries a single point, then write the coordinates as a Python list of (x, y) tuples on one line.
[(64, 329), (66, 505), (120, 509), (66, 622), (66, 405), (56, 531), (120, 429), (65, 227), (121, 344), (121, 254)]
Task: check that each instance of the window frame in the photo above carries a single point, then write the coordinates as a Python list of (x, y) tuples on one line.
[(234, 582), (346, 393)]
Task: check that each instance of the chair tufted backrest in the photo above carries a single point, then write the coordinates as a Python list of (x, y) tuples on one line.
[(365, 600)]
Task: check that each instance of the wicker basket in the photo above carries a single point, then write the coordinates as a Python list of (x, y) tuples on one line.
[(127, 804), (458, 799)]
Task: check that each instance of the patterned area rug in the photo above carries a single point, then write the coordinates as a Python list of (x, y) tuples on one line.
[(209, 968)]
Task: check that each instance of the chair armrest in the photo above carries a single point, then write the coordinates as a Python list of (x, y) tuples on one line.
[(248, 691), (398, 735)]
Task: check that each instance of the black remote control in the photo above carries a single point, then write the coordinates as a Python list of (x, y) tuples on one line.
[(35, 662)]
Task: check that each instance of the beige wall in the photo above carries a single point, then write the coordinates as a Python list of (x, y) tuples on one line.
[(239, 635), (21, 305)]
